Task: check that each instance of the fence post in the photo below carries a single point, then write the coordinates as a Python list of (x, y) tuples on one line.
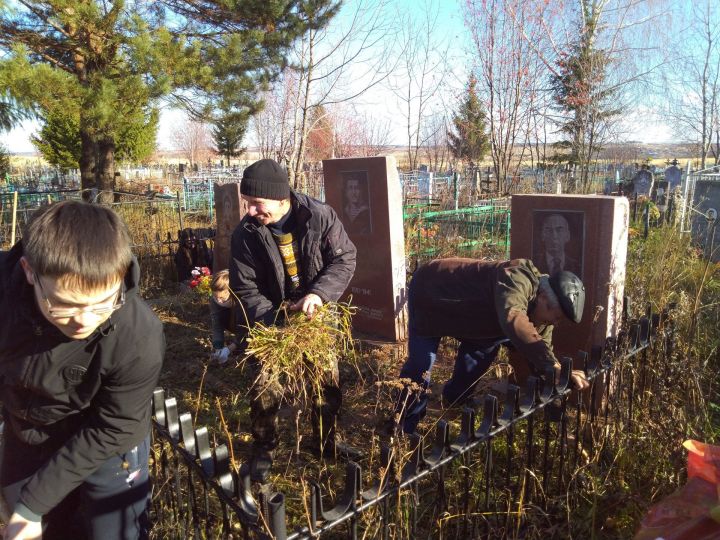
[(455, 188), (211, 197), (179, 207), (14, 218)]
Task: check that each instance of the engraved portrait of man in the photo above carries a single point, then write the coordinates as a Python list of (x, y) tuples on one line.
[(558, 241), (356, 203)]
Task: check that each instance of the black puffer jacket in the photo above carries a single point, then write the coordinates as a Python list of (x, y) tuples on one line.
[(257, 275), (89, 397)]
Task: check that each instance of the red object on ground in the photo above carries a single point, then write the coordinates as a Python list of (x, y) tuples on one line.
[(693, 511)]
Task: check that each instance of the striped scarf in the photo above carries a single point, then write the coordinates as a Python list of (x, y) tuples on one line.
[(289, 253)]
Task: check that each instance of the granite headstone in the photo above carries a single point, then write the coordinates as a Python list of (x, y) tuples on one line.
[(673, 176), (586, 235), (365, 192), (643, 182), (703, 221), (229, 210), (425, 184)]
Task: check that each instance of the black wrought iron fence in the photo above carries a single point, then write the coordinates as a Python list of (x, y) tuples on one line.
[(478, 482)]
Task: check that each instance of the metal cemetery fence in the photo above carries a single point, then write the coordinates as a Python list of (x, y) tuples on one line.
[(475, 483), (465, 231), (16, 207)]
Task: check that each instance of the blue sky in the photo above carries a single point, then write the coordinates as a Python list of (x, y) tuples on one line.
[(380, 101)]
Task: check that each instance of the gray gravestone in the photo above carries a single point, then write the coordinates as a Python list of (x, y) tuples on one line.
[(706, 203), (425, 184), (673, 175), (643, 182)]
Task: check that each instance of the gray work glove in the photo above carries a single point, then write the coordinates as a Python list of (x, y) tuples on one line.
[(221, 355)]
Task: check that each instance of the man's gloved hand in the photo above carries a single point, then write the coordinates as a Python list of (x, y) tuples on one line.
[(308, 304), (578, 380), (221, 355)]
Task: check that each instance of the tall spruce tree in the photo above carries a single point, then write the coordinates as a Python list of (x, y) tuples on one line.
[(228, 132), (583, 96), (469, 140), (112, 61)]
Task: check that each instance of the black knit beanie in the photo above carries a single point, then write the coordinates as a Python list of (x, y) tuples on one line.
[(265, 179)]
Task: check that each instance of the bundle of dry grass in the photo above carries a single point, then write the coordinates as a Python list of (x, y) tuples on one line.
[(297, 357)]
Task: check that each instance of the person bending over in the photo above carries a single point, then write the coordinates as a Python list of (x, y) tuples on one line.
[(483, 305), (80, 355)]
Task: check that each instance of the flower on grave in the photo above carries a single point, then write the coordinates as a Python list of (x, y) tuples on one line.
[(200, 271), (200, 281)]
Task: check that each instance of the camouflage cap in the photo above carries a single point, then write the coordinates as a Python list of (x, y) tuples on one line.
[(571, 294)]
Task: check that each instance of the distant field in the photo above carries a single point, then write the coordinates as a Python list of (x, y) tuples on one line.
[(631, 152)]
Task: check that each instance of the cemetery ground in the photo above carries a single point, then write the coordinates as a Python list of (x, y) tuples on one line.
[(605, 497)]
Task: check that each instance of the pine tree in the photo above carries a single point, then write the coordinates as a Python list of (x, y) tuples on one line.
[(582, 95), (110, 62), (4, 163), (59, 139), (10, 113), (469, 141), (228, 132)]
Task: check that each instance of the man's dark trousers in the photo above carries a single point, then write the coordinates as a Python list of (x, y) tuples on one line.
[(111, 503), (473, 359)]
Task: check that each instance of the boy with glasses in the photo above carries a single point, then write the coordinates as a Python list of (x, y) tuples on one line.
[(80, 354)]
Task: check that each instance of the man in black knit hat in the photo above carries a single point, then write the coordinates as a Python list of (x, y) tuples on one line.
[(288, 248)]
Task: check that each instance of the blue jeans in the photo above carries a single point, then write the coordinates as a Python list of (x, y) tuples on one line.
[(473, 359), (110, 504)]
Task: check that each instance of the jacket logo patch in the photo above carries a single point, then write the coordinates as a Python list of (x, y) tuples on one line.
[(74, 374)]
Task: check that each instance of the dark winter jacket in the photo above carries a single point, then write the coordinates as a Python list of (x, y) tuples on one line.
[(257, 275), (221, 319), (471, 299), (89, 397)]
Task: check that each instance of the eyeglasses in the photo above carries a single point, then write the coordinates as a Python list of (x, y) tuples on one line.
[(68, 313)]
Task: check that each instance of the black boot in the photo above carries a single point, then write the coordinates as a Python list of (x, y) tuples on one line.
[(325, 442)]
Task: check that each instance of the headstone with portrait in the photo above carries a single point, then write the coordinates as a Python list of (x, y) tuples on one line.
[(229, 210), (583, 234), (366, 194)]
